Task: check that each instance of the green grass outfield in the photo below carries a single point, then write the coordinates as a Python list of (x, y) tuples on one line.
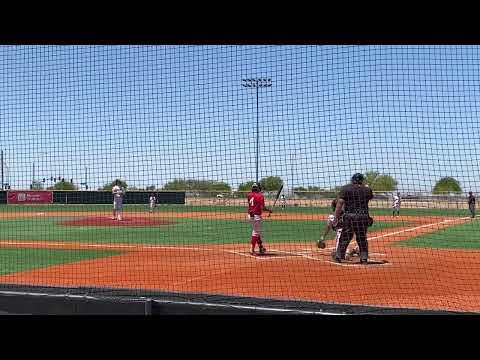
[(185, 231), (107, 208), (14, 259), (464, 236)]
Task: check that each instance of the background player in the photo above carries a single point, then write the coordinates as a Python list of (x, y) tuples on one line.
[(396, 204), (256, 204), (471, 204), (152, 201), (118, 194), (283, 202)]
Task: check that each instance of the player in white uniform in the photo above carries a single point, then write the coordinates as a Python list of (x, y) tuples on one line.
[(118, 194), (396, 204), (153, 202), (283, 201)]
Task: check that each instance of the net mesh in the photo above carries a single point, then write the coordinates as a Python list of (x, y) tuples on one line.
[(186, 130)]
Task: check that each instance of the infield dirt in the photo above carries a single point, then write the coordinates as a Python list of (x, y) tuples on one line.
[(413, 278)]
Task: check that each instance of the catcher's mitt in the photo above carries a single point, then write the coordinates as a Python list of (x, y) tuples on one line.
[(321, 243)]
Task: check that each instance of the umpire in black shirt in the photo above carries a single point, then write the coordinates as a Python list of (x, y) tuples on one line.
[(353, 199)]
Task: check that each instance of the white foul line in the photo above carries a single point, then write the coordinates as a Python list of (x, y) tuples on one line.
[(106, 246), (356, 264), (415, 228), (259, 257)]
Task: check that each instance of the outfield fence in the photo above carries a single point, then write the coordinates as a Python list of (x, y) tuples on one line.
[(96, 197), (415, 202)]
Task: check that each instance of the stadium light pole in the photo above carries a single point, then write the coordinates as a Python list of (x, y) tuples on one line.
[(1, 162), (39, 157), (86, 181), (257, 83), (292, 164)]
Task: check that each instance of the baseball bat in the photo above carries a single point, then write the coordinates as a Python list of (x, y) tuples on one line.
[(276, 197)]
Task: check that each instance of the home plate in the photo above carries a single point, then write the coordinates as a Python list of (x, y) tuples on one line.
[(270, 254), (357, 263), (281, 253)]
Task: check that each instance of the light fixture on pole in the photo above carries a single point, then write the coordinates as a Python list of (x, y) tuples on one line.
[(257, 83)]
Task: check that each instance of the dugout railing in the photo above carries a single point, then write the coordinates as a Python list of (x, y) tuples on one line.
[(37, 300)]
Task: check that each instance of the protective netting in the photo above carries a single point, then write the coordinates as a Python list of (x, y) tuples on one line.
[(186, 130)]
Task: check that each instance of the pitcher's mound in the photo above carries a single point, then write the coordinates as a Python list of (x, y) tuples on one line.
[(107, 221)]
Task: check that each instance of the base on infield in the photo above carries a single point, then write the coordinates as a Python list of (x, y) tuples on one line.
[(270, 254)]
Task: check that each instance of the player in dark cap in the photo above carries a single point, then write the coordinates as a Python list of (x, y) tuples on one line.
[(471, 204), (353, 200)]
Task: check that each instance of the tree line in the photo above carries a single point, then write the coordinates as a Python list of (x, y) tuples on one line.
[(375, 180)]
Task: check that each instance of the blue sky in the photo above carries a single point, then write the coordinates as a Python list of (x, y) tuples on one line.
[(149, 114)]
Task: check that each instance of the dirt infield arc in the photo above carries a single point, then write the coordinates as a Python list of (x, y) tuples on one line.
[(414, 278)]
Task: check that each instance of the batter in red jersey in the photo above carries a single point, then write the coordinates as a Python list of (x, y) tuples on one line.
[(256, 204)]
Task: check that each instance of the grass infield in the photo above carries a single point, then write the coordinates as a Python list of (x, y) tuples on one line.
[(222, 209), (464, 236), (185, 231), (19, 259)]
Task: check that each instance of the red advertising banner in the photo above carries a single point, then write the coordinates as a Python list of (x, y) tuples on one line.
[(29, 197)]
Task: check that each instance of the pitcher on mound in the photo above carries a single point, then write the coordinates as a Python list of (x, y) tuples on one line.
[(118, 194)]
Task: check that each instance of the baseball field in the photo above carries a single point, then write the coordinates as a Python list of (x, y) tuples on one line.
[(425, 258)]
